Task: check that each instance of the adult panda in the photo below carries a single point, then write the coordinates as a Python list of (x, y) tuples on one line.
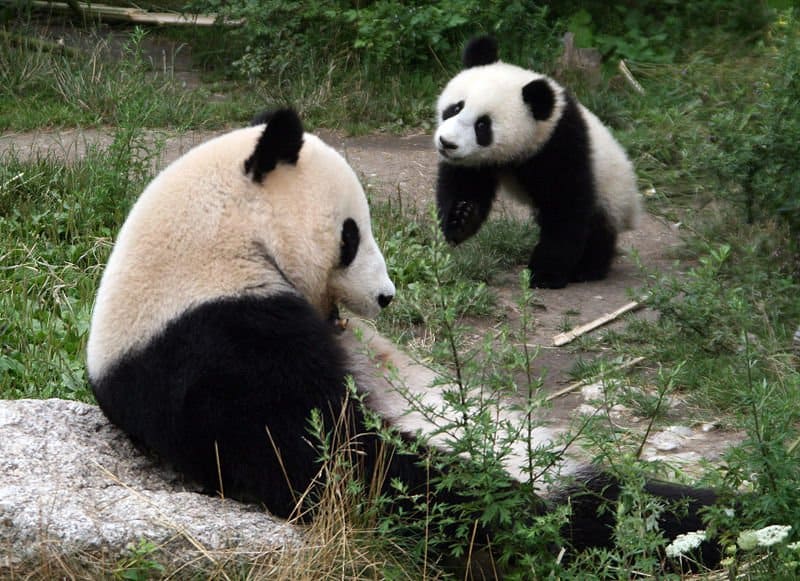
[(214, 333), (502, 125)]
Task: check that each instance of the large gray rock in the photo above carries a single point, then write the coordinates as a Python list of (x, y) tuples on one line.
[(72, 484)]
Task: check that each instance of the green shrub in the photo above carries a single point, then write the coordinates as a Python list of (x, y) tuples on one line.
[(658, 30), (760, 141), (277, 35)]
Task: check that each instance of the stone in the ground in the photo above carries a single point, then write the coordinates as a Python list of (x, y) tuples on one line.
[(72, 484)]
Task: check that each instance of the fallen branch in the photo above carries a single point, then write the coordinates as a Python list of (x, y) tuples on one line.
[(564, 338), (601, 375), (136, 15)]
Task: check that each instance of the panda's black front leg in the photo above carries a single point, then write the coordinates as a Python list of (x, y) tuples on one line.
[(557, 254), (464, 197)]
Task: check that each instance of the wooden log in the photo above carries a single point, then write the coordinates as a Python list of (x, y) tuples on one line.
[(134, 15)]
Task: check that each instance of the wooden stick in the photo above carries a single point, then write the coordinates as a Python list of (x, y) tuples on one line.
[(564, 338), (582, 382)]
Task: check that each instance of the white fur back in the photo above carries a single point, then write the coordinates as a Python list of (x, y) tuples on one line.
[(615, 179)]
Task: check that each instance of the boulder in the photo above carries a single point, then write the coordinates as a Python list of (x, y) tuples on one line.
[(72, 484)]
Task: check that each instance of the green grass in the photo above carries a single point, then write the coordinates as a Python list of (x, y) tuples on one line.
[(46, 87), (57, 223)]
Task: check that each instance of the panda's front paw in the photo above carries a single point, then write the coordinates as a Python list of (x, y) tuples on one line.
[(462, 221)]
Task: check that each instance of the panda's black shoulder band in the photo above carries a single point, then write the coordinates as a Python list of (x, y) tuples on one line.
[(281, 141), (481, 50)]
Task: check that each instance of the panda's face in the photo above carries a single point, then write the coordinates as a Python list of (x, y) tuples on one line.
[(359, 279), (485, 115), (323, 236)]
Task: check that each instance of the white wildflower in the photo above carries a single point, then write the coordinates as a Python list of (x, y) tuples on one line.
[(771, 535), (794, 546), (684, 543), (765, 537)]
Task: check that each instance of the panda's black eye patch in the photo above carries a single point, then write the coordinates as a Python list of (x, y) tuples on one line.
[(452, 110), (350, 240), (483, 130)]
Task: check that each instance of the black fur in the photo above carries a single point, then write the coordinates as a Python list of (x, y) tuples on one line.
[(217, 378), (281, 141), (451, 110), (479, 51), (539, 97), (560, 182), (590, 528), (577, 241), (350, 241), (483, 131), (464, 197)]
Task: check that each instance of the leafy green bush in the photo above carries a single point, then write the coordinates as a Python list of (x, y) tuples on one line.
[(385, 34), (759, 142), (657, 30)]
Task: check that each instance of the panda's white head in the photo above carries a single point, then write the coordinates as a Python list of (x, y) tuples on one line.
[(493, 112), (261, 211), (320, 235)]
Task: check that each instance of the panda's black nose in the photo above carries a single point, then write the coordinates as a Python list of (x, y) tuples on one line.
[(447, 144), (384, 300)]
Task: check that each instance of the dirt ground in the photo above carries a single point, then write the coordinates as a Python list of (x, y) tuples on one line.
[(406, 166)]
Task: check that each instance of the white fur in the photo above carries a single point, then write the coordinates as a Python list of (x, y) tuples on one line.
[(496, 90), (203, 230), (614, 175)]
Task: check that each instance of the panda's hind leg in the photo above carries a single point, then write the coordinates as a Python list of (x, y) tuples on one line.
[(598, 254)]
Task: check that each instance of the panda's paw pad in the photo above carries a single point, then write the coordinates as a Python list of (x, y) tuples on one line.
[(462, 212), (462, 221)]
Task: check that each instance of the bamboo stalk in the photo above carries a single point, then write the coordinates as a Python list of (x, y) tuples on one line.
[(626, 72), (564, 338), (582, 382)]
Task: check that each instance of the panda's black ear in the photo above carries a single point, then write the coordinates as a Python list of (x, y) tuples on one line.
[(281, 141), (263, 117), (540, 98), (481, 50)]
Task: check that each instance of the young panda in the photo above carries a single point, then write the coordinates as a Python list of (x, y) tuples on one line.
[(214, 333), (501, 125)]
